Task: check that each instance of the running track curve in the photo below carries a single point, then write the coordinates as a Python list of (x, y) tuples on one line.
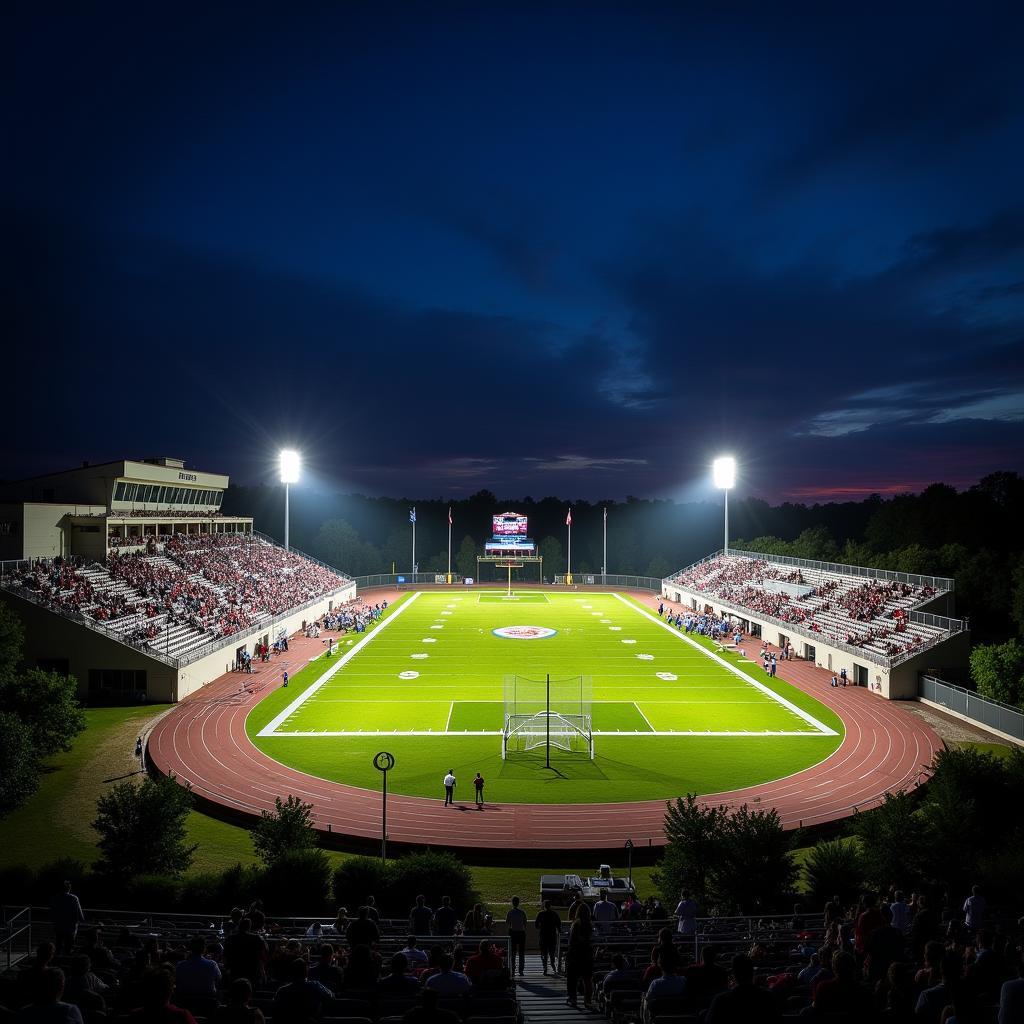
[(203, 741)]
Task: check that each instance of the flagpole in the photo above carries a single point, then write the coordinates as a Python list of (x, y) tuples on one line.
[(414, 541), (568, 559), (449, 543), (604, 557)]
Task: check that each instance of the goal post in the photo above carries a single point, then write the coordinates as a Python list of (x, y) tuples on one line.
[(548, 714)]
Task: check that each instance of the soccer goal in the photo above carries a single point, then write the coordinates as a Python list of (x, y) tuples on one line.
[(547, 714)]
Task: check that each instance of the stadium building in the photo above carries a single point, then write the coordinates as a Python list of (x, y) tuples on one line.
[(881, 628), (128, 577)]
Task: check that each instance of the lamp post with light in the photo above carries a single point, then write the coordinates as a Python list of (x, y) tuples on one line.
[(723, 471), (291, 463)]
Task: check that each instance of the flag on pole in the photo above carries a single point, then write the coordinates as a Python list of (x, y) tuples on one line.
[(568, 518), (412, 515), (449, 515)]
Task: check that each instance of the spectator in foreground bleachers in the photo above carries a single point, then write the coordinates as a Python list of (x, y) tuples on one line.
[(744, 1002), (246, 954), (448, 982), (362, 931), (237, 1010), (669, 986), (197, 974), (486, 969), (932, 1001), (708, 978), (1011, 996), (46, 1006), (327, 971), (84, 988), (549, 926), (420, 917), (843, 992), (398, 981), (157, 1008), (301, 1000), (66, 915), (445, 919), (362, 969), (413, 953)]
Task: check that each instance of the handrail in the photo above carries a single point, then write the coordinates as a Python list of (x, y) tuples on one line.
[(27, 594)]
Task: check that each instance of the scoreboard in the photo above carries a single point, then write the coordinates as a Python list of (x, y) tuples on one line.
[(509, 524)]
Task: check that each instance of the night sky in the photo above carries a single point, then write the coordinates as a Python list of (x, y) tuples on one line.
[(573, 249)]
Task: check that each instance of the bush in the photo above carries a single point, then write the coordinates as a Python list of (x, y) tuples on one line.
[(50, 879), (833, 869), (358, 878), (432, 874), (152, 893), (288, 829), (296, 884)]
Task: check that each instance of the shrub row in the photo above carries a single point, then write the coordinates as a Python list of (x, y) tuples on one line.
[(297, 884)]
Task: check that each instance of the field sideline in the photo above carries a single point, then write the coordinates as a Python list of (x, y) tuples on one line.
[(670, 715)]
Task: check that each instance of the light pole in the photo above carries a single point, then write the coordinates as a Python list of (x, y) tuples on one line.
[(723, 470), (384, 762), (629, 862), (291, 463)]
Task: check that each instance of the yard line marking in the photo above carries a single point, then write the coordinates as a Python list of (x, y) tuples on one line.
[(823, 729), (271, 727), (643, 716), (451, 708)]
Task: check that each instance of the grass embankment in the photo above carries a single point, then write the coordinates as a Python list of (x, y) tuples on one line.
[(55, 823)]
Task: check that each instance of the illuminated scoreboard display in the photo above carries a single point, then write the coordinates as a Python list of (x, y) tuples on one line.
[(509, 524), (509, 535)]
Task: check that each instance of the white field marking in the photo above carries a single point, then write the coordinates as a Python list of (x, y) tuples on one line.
[(271, 727), (678, 733), (448, 720), (643, 716), (805, 715)]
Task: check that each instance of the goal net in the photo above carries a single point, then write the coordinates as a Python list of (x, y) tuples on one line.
[(547, 715)]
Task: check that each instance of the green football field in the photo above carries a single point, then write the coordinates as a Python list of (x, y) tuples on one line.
[(669, 714)]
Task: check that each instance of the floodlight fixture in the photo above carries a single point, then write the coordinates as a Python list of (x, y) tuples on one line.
[(291, 464), (723, 470)]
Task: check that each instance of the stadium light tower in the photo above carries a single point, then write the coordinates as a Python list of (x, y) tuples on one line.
[(723, 471), (291, 463)]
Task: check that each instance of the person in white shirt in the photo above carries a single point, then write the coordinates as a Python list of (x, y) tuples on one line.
[(1011, 998), (686, 911), (516, 921), (413, 953), (974, 910), (901, 915), (449, 787), (605, 912)]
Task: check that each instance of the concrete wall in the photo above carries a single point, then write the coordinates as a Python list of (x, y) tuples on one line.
[(52, 636)]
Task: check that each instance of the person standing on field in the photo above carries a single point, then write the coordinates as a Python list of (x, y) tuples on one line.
[(449, 787), (478, 785)]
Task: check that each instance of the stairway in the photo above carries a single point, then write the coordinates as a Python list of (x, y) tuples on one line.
[(542, 997)]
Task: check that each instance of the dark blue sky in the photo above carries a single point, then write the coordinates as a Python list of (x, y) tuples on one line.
[(542, 248)]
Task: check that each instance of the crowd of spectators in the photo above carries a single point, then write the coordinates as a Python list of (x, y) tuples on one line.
[(216, 584), (858, 614), (245, 972)]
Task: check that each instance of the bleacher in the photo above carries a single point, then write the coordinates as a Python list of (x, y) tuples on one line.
[(846, 609), (183, 593)]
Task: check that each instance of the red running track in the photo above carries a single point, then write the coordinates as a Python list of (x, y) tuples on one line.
[(203, 741)]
